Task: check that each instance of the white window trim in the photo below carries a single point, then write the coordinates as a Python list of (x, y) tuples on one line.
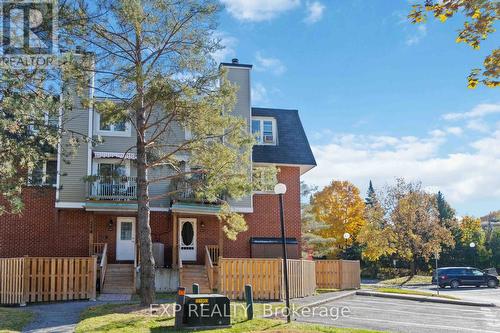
[(44, 176), (261, 142), (96, 162), (111, 132)]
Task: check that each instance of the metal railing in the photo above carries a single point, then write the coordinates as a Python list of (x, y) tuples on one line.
[(113, 188)]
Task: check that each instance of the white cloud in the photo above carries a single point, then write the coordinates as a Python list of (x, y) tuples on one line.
[(259, 93), (315, 10), (415, 38), (478, 111), (463, 177), (273, 65), (229, 43), (454, 130), (258, 10), (478, 125)]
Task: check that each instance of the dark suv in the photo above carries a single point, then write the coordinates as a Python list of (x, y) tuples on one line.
[(464, 276)]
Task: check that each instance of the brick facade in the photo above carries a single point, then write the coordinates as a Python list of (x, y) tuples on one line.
[(42, 230), (264, 221)]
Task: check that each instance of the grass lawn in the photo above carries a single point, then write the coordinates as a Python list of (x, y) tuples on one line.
[(412, 292), (132, 318), (13, 320), (326, 290), (416, 279)]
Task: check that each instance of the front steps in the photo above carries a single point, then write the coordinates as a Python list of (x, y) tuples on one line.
[(195, 274), (119, 279)]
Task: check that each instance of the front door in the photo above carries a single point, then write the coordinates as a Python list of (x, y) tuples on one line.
[(187, 239), (125, 238)]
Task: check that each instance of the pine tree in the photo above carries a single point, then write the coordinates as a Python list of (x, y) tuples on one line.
[(371, 197), (446, 213)]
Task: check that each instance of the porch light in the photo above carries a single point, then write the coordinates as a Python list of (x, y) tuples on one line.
[(280, 188), (347, 236), (472, 245), (110, 225)]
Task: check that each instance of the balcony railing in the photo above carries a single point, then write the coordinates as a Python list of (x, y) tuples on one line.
[(113, 188)]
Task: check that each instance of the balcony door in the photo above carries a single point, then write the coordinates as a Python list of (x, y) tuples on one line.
[(187, 239), (125, 238)]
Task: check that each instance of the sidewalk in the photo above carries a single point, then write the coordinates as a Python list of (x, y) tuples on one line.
[(319, 299)]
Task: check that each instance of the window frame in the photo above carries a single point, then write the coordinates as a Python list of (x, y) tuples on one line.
[(44, 174), (111, 131), (115, 161), (260, 138)]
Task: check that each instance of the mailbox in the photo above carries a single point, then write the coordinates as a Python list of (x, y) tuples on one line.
[(206, 311)]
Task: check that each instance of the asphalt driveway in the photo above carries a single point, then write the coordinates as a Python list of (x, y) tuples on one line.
[(406, 316), (482, 294)]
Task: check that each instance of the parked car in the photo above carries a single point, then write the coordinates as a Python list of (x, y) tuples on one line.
[(464, 276)]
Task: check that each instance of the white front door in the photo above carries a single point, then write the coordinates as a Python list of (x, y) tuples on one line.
[(187, 239), (125, 238)]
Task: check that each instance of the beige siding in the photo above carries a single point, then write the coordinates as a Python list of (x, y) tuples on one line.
[(73, 188), (241, 77)]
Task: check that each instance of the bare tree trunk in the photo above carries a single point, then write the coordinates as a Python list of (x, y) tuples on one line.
[(147, 262)]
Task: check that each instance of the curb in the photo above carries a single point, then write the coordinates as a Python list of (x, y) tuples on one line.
[(423, 298), (328, 300)]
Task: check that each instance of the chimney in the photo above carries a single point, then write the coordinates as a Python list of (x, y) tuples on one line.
[(235, 61)]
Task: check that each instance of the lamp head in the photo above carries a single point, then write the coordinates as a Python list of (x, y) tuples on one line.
[(280, 188), (347, 236), (472, 244)]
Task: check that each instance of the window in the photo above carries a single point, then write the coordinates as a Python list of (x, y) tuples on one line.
[(45, 173), (51, 121), (476, 272), (106, 128), (111, 170), (264, 130)]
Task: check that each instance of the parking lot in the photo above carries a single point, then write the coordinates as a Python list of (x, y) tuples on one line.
[(481, 294), (409, 316)]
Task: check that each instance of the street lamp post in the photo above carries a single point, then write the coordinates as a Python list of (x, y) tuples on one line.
[(472, 246), (346, 238), (280, 189)]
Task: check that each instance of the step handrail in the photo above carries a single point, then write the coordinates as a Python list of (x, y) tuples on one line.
[(104, 264), (209, 266)]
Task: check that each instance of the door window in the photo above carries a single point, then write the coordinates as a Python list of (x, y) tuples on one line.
[(187, 233), (477, 272), (126, 231)]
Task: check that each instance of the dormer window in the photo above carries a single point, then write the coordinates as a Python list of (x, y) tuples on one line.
[(264, 130)]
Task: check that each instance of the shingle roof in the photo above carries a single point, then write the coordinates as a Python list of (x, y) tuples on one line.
[(293, 146)]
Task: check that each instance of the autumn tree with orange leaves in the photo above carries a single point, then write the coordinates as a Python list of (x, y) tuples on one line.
[(340, 208)]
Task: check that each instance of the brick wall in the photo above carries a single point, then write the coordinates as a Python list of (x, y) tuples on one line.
[(38, 231), (264, 221)]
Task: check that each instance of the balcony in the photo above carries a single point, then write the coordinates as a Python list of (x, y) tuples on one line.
[(112, 188)]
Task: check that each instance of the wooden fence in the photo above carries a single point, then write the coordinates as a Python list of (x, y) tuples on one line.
[(266, 278), (338, 274), (27, 279)]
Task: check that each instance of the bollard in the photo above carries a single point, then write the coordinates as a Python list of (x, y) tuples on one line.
[(249, 299), (179, 313), (196, 288)]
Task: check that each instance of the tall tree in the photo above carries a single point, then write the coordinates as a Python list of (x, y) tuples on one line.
[(480, 18), (407, 225), (371, 197), (340, 207), (446, 213), (153, 62)]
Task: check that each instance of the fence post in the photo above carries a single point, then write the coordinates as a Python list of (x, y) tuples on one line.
[(249, 300), (92, 293), (26, 281)]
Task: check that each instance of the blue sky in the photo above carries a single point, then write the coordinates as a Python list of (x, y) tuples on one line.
[(379, 97)]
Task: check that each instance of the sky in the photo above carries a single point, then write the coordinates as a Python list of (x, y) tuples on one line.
[(379, 97)]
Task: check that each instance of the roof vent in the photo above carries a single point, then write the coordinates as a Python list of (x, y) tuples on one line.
[(235, 61)]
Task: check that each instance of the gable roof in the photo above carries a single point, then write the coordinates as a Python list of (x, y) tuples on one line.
[(292, 144)]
